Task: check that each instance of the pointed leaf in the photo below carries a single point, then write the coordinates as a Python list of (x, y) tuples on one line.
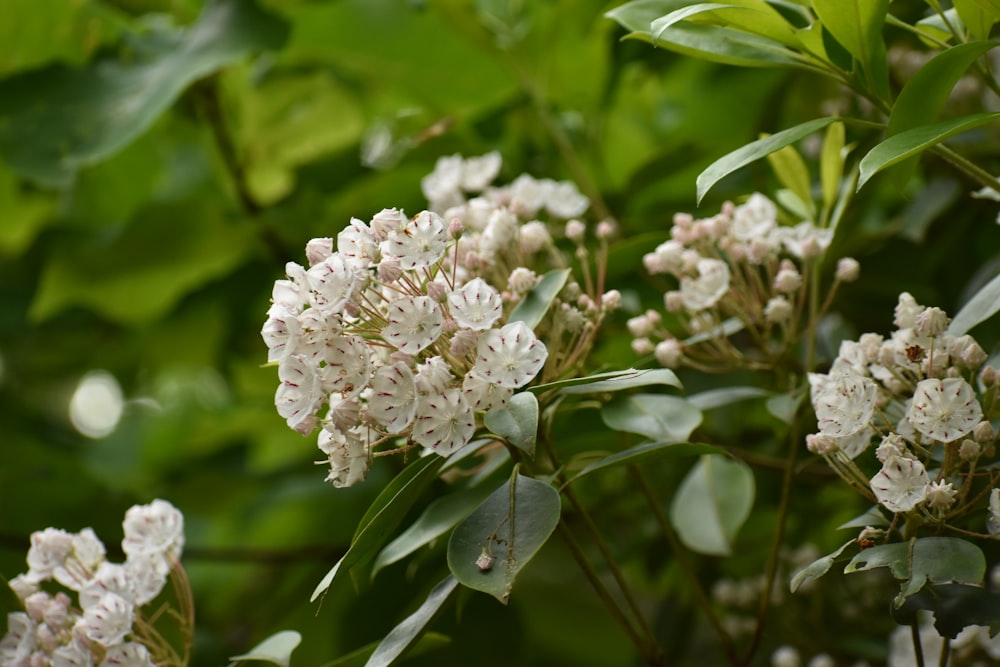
[(510, 532), (655, 416), (588, 379), (648, 450), (793, 173), (722, 45), (832, 163), (276, 649), (517, 422), (537, 302), (857, 25), (716, 398), (817, 568), (906, 144), (633, 380), (407, 633), (754, 151), (657, 27), (979, 308), (785, 406), (873, 517), (977, 16), (712, 503), (429, 641)]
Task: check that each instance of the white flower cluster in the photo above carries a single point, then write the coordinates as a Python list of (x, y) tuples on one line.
[(98, 628), (916, 391), (740, 264), (397, 327)]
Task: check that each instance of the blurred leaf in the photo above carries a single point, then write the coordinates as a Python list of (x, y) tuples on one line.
[(412, 628), (727, 328), (276, 649), (857, 25), (587, 379), (712, 503), (392, 504), (655, 416), (648, 450), (23, 214), (955, 607), (517, 422), (510, 531), (56, 120), (906, 144), (754, 151), (785, 406), (716, 398), (817, 568), (873, 517), (751, 16), (532, 308), (979, 308), (429, 641), (978, 16), (630, 379), (793, 173)]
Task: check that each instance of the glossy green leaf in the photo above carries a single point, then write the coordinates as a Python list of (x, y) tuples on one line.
[(984, 305), (656, 416), (751, 16), (516, 422), (632, 380), (831, 166), (56, 120), (723, 45), (382, 517), (645, 451), (754, 151), (532, 308), (872, 517), (955, 607), (638, 15), (494, 543), (978, 16), (817, 568), (906, 144), (409, 631), (716, 398), (793, 173), (785, 406), (587, 379), (657, 27), (857, 25), (276, 649), (712, 503)]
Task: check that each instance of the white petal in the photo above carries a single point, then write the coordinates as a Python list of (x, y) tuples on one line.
[(394, 397), (420, 244), (414, 324), (901, 484), (944, 410), (510, 357), (708, 288), (845, 404), (331, 283), (476, 305), (347, 368), (444, 422)]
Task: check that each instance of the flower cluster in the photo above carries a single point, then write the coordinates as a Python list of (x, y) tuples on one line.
[(739, 270), (926, 395), (398, 327), (104, 626)]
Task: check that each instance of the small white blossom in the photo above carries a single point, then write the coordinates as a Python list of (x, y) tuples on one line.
[(901, 484), (565, 201), (299, 393), (708, 288), (444, 422), (414, 324), (348, 365), (754, 219), (146, 577), (420, 244), (19, 642), (478, 172), (845, 404), (49, 550), (154, 531), (944, 410), (358, 244), (347, 455), (108, 621), (434, 376), (941, 495), (394, 397), (483, 395), (906, 312), (110, 577), (476, 305), (510, 356), (331, 283), (129, 654)]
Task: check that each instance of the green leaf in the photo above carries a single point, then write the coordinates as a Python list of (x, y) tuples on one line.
[(657, 27), (409, 631), (817, 568), (955, 607), (872, 517), (751, 16), (648, 450), (906, 144), (785, 406), (831, 166), (427, 642), (979, 308), (754, 151), (630, 380), (537, 302), (56, 120), (716, 398), (508, 530), (382, 517), (712, 503), (793, 173), (517, 422), (722, 45), (276, 649), (655, 416), (857, 25), (589, 379), (978, 16)]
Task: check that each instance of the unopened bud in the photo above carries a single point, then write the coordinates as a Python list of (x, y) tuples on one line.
[(931, 322), (668, 353), (575, 231), (642, 346), (847, 269), (984, 432), (611, 300), (606, 230), (969, 450)]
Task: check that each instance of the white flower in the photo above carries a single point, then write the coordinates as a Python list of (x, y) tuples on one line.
[(442, 187), (533, 236), (129, 654), (484, 395), (110, 577), (478, 172), (347, 455), (433, 376), (476, 305), (854, 444), (414, 324), (19, 642), (73, 654), (444, 422), (23, 585), (331, 283), (944, 410), (280, 331), (299, 394), (804, 240), (146, 577), (85, 557), (154, 531), (358, 245), (347, 368), (754, 219), (565, 201), (420, 244), (708, 288), (906, 312), (667, 258), (49, 549), (844, 405), (393, 400), (941, 495), (510, 356), (528, 195), (109, 620), (901, 484)]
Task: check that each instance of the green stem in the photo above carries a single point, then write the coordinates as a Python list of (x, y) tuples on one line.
[(967, 167), (918, 648)]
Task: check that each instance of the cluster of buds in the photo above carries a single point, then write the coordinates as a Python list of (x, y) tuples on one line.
[(399, 329), (739, 270), (105, 625), (928, 398)]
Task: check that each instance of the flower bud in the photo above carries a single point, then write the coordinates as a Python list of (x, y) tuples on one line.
[(611, 300), (318, 250), (639, 326), (973, 356), (642, 346), (606, 230), (989, 376), (969, 450), (847, 270), (669, 352), (778, 310), (820, 444), (984, 432), (673, 301), (575, 231), (931, 322), (787, 281)]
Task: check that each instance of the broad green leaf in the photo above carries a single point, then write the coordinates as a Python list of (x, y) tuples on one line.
[(638, 15), (723, 45), (644, 378), (793, 173), (649, 450), (409, 631), (510, 531), (23, 214), (754, 151), (872, 517), (955, 607), (36, 32), (751, 16), (979, 308), (857, 25), (977, 16), (276, 649), (440, 516), (831, 166), (906, 144), (712, 503), (785, 406), (657, 27), (56, 120), (933, 27), (656, 416), (716, 398), (817, 568), (517, 422), (536, 303), (382, 517)]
